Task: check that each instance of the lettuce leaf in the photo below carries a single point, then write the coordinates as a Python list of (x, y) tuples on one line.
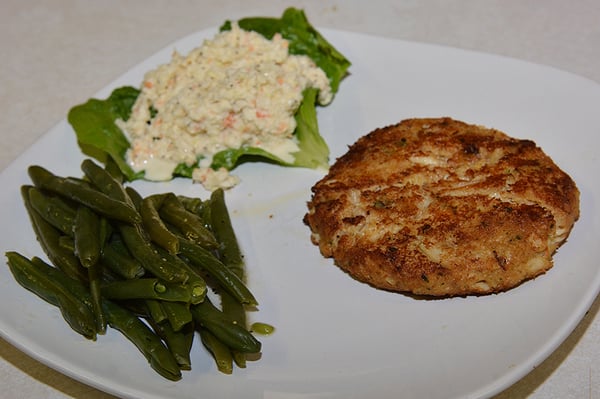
[(303, 38), (97, 132), (98, 135)]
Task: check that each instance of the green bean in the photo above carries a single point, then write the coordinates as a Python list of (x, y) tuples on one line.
[(104, 181), (177, 313), (48, 237), (87, 242), (190, 225), (236, 311), (143, 250), (142, 288), (157, 354), (230, 252), (221, 352), (192, 204), (178, 342), (114, 170), (83, 194), (86, 234), (194, 274), (154, 225), (153, 288), (76, 313), (139, 307), (60, 277), (54, 210), (231, 256), (134, 196), (205, 260), (95, 274), (67, 242), (156, 311), (106, 231), (121, 263), (136, 306), (236, 337), (204, 213)]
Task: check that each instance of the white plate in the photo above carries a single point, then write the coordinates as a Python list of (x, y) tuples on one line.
[(337, 338)]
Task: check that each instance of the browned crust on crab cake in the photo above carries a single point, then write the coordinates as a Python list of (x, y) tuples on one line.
[(443, 208)]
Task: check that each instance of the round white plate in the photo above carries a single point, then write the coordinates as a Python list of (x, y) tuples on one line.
[(336, 337)]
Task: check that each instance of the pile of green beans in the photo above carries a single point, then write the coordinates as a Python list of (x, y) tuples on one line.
[(140, 265)]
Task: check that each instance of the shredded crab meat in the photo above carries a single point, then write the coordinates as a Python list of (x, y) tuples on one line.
[(237, 89)]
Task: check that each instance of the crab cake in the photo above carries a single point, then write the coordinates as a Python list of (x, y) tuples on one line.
[(443, 208)]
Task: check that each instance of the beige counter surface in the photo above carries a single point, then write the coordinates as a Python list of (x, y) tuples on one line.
[(58, 53)]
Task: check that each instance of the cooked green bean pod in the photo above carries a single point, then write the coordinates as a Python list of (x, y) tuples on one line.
[(153, 288), (54, 210), (157, 354), (154, 225), (195, 277), (142, 249), (236, 337), (114, 170), (83, 194), (229, 249), (86, 235), (104, 181), (237, 312), (87, 243), (177, 313), (106, 231), (48, 237), (188, 223), (205, 260), (192, 204), (95, 273), (67, 242), (107, 272), (117, 259), (178, 342), (75, 312), (231, 256), (135, 197), (155, 310), (221, 352)]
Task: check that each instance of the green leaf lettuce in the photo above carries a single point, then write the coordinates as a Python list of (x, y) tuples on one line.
[(95, 125)]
